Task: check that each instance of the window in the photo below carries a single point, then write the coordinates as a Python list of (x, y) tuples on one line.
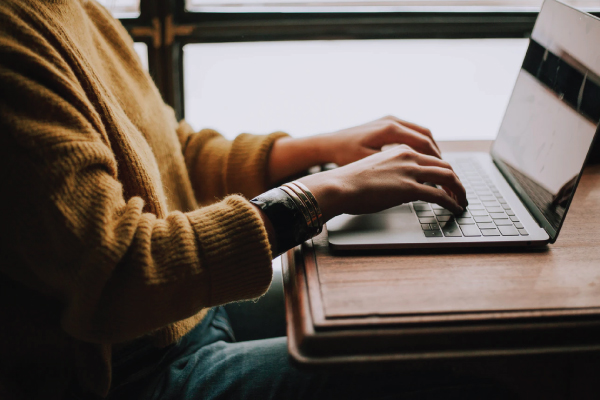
[(190, 45), (458, 88), (378, 5), (122, 8), (141, 49)]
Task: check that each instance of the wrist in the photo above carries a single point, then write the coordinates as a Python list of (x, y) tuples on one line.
[(291, 156), (329, 192), (322, 149)]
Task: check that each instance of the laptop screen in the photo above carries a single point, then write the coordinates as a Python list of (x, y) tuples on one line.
[(553, 113)]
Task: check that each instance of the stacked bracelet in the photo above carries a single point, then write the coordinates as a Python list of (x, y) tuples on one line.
[(314, 203), (307, 204), (293, 212)]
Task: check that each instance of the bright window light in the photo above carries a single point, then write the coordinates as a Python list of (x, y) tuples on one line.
[(122, 8), (142, 51), (457, 88)]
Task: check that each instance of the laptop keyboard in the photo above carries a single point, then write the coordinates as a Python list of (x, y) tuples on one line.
[(488, 213)]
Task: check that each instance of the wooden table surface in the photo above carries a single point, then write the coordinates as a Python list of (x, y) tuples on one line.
[(530, 320), (364, 291)]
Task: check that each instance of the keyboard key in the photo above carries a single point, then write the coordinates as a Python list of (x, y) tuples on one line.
[(473, 206), (442, 212), (426, 227), (434, 226), (514, 218), (472, 196), (503, 222), (444, 218), (510, 212), (501, 200), (437, 233), (498, 215), (490, 232), (495, 210), (419, 202), (518, 225), (487, 225), (465, 214), (523, 232), (427, 220), (421, 207), (478, 212), (465, 221), (505, 206), (470, 230), (451, 229), (491, 204), (424, 213), (437, 207), (487, 198), (482, 219), (508, 231)]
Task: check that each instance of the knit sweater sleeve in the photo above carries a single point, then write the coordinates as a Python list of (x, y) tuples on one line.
[(118, 269), (218, 166)]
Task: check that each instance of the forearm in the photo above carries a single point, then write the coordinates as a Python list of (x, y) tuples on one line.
[(218, 167), (290, 156)]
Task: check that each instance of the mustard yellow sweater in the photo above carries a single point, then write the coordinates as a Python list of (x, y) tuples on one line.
[(102, 239)]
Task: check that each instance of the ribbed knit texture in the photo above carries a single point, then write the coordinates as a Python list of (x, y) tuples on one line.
[(102, 240)]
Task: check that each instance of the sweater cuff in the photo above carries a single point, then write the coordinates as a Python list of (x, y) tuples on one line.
[(234, 246), (247, 167)]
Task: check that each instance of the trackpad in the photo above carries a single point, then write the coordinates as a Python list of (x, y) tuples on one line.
[(403, 209), (395, 218)]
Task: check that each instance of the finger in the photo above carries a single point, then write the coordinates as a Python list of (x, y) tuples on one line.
[(366, 152), (438, 196), (430, 161), (445, 178), (389, 146), (419, 142), (415, 127)]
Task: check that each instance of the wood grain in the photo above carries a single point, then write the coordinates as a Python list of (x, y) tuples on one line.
[(563, 277), (528, 319)]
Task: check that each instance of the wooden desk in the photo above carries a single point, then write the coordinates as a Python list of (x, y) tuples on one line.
[(400, 306)]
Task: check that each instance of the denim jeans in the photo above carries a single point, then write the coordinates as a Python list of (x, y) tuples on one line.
[(208, 363)]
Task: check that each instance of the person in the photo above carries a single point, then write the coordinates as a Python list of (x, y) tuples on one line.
[(124, 230)]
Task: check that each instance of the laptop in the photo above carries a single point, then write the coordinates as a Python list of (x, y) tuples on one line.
[(520, 192)]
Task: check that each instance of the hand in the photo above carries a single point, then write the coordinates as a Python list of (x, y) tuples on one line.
[(290, 156), (349, 145), (384, 180)]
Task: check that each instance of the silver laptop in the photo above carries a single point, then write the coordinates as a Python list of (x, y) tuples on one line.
[(520, 192)]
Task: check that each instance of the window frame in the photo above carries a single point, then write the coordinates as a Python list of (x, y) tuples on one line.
[(166, 27)]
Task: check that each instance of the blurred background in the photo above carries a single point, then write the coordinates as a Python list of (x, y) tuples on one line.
[(308, 67)]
